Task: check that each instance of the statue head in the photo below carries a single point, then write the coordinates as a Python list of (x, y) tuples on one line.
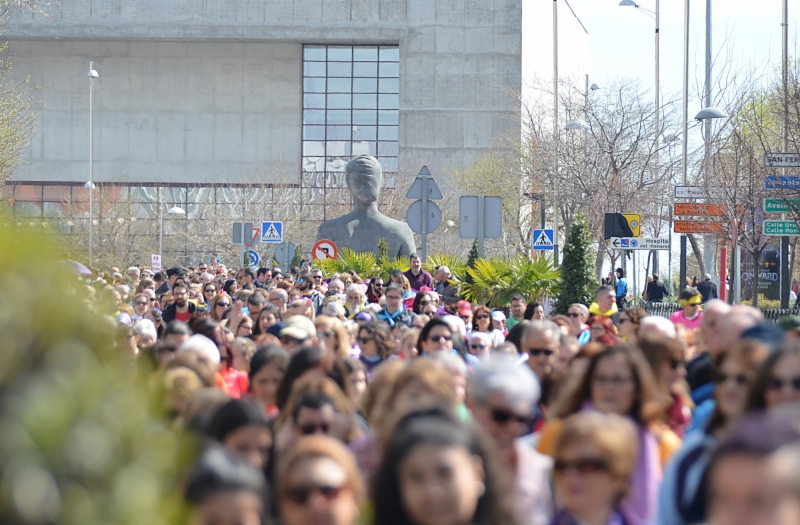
[(364, 178)]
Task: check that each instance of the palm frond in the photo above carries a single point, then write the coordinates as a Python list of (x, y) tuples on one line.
[(364, 264)]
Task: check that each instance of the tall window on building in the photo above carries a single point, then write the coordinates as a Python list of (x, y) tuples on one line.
[(351, 106)]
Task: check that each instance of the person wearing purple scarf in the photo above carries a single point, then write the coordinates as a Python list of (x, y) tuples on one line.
[(619, 381), (593, 470)]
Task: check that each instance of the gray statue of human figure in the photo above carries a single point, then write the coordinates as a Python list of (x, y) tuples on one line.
[(361, 229)]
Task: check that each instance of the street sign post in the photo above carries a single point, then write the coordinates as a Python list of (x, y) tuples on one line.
[(242, 232), (480, 218), (272, 231), (324, 249), (699, 192), (424, 188), (155, 262), (782, 160), (640, 243), (782, 182), (284, 253), (543, 239), (781, 228), (781, 205), (698, 227), (701, 210)]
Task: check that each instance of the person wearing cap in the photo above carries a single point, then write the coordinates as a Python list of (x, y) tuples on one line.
[(499, 321), (298, 332), (172, 276), (692, 315), (465, 313), (790, 324), (417, 277)]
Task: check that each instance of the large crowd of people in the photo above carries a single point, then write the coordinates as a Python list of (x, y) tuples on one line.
[(349, 399)]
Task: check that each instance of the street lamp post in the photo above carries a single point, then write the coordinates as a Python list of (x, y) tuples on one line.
[(92, 75)]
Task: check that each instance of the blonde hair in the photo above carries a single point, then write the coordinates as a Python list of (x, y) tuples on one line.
[(248, 349), (182, 382), (614, 435), (335, 325)]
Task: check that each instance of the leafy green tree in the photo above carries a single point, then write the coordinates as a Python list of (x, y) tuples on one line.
[(578, 279), (297, 260), (472, 257), (383, 251)]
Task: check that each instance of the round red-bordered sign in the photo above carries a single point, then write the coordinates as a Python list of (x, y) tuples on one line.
[(324, 249)]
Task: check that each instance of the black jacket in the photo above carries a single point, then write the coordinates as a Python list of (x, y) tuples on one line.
[(708, 290), (170, 311)]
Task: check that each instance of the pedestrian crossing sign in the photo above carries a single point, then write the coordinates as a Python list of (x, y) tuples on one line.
[(543, 239), (272, 231)]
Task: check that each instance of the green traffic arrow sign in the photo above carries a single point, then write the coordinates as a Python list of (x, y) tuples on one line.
[(780, 205), (781, 228)]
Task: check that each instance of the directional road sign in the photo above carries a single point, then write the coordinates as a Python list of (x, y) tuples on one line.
[(272, 231), (284, 253), (698, 227), (699, 192), (782, 182), (254, 257), (324, 249), (543, 239), (701, 210), (781, 228), (780, 205), (640, 243), (414, 216), (782, 160)]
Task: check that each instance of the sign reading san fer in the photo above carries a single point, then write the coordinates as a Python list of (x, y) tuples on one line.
[(782, 160)]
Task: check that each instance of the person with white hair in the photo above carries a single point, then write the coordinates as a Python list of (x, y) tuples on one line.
[(146, 332), (707, 289), (447, 285), (480, 344), (501, 395), (133, 273), (355, 300), (202, 346), (334, 309), (654, 325)]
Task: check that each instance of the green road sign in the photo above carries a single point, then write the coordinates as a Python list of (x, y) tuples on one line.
[(780, 205), (781, 228)]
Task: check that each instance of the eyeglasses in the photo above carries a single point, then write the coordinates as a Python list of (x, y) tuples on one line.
[(365, 340), (739, 379), (612, 381), (478, 347), (777, 383), (378, 285), (140, 303), (179, 294), (504, 416), (484, 316), (582, 466), (538, 351), (437, 338), (212, 290), (315, 277), (573, 314), (312, 428), (301, 494), (393, 298), (223, 305)]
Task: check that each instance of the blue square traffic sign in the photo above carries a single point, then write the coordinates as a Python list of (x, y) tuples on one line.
[(272, 231), (543, 239)]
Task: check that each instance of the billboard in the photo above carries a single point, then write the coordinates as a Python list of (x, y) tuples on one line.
[(769, 274)]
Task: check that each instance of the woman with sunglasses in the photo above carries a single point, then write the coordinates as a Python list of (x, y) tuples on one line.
[(221, 303), (209, 293), (318, 482), (377, 343), (778, 379), (482, 322), (421, 300), (595, 457), (618, 381), (665, 357), (375, 289), (682, 498), (436, 336), (141, 304)]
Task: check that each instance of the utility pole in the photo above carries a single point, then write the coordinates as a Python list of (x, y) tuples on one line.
[(684, 166), (708, 240), (786, 278), (555, 131)]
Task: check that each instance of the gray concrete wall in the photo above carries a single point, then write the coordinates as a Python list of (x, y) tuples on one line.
[(209, 89)]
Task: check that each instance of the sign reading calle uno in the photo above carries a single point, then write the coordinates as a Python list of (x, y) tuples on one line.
[(782, 228), (782, 160), (780, 205), (640, 243)]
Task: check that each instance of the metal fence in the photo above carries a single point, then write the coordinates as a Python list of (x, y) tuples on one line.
[(666, 309)]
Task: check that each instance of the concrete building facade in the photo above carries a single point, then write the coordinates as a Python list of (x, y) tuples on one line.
[(206, 91)]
